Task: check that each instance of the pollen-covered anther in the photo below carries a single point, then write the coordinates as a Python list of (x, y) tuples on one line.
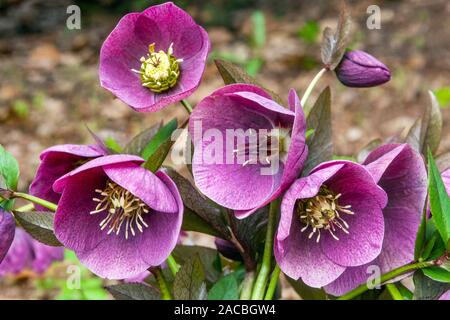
[(323, 212), (122, 208), (159, 70)]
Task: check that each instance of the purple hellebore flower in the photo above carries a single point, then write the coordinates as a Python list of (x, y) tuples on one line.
[(330, 220), (118, 217), (154, 58), (400, 171), (445, 296), (228, 179), (7, 229), (359, 69), (227, 249), (56, 162), (27, 253), (446, 179)]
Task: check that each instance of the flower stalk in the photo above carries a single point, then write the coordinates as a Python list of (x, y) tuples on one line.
[(186, 105), (247, 285), (163, 287), (273, 283), (47, 204), (311, 87), (388, 276), (261, 280)]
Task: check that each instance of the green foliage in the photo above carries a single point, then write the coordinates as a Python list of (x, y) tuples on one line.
[(439, 201), (39, 225), (189, 283), (9, 170), (309, 32), (227, 287), (259, 29), (443, 96)]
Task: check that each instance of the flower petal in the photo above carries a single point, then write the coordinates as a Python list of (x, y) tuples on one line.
[(143, 184), (7, 229), (20, 254), (56, 162), (59, 184)]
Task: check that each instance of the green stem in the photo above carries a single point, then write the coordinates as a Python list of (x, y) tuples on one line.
[(173, 265), (311, 87), (247, 285), (394, 292), (386, 277), (39, 201), (186, 105), (273, 283), (163, 287), (261, 280)]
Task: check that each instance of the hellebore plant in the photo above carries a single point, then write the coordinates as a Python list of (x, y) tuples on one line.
[(267, 184)]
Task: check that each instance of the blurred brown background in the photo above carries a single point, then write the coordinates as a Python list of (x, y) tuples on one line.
[(49, 88)]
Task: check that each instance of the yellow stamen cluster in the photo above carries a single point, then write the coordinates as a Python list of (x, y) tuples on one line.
[(122, 208), (323, 212), (159, 70)]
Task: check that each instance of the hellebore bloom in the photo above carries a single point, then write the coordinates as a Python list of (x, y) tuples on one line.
[(400, 171), (330, 220), (56, 162), (26, 253), (227, 249), (446, 179), (359, 69), (7, 227), (154, 58), (118, 217), (248, 148)]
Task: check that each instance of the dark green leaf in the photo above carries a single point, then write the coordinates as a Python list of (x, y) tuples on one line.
[(421, 235), (334, 43), (439, 201), (113, 145), (133, 291), (201, 215), (208, 258), (9, 170), (227, 288), (161, 137), (437, 274), (427, 289), (189, 283), (138, 143), (426, 131), (305, 292), (320, 144), (155, 161), (232, 73), (39, 225)]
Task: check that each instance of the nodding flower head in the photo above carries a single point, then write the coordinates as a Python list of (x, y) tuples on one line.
[(154, 58), (118, 217)]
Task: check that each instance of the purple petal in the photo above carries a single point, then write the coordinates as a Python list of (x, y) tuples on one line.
[(405, 181), (7, 229), (20, 254), (303, 258), (349, 280), (44, 256), (446, 179), (59, 184), (144, 185), (56, 162)]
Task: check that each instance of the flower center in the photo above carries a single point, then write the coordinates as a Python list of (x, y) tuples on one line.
[(121, 207), (159, 70), (323, 212), (266, 146)]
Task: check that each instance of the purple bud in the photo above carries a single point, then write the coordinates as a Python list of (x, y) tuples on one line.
[(227, 249), (359, 69)]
